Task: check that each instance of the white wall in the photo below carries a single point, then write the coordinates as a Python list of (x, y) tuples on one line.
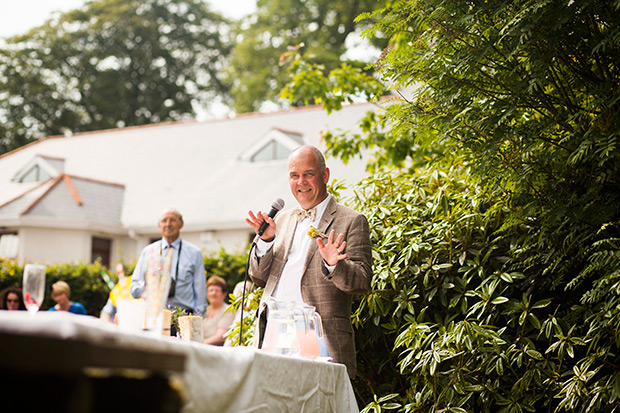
[(233, 241), (47, 246)]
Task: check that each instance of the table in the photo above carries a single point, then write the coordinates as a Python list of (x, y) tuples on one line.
[(179, 375)]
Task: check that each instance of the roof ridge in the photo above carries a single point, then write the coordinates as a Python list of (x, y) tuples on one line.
[(74, 191)]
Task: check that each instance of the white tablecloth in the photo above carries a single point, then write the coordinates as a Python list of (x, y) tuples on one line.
[(215, 379)]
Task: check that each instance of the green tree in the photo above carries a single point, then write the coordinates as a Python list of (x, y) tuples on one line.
[(319, 27), (112, 63), (497, 285)]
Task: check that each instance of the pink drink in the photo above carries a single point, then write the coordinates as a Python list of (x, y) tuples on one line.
[(308, 343)]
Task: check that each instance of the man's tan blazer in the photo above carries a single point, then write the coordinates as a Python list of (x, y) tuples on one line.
[(331, 294)]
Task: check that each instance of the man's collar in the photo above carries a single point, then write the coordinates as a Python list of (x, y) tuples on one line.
[(175, 243), (321, 206)]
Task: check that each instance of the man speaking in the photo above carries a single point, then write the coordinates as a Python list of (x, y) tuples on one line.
[(324, 273)]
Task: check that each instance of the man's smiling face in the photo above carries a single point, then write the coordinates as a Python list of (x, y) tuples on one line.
[(306, 179)]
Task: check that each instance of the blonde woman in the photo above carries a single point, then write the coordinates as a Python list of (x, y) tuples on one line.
[(61, 293)]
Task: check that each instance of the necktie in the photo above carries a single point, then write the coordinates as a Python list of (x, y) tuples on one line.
[(303, 214), (173, 282)]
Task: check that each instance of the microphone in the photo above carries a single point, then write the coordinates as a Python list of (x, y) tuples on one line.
[(276, 206)]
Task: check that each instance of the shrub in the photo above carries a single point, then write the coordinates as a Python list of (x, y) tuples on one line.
[(89, 287)]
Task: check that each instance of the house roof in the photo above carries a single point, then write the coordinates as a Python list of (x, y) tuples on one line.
[(204, 169), (66, 197)]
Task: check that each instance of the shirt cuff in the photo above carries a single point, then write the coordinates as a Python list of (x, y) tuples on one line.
[(328, 270), (263, 246)]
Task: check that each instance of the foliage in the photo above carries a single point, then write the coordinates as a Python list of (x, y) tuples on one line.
[(229, 266), (252, 301), (496, 233), (112, 63), (319, 27), (87, 285), (308, 83), (439, 327)]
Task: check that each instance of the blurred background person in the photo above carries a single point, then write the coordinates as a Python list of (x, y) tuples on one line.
[(11, 298), (218, 320), (61, 293), (187, 269), (119, 292)]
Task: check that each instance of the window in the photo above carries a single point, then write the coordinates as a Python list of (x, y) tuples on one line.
[(100, 249), (9, 244), (35, 174), (271, 151)]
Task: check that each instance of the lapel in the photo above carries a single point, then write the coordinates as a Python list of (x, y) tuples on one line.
[(323, 226), (289, 233)]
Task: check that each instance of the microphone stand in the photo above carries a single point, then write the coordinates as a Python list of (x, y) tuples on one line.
[(245, 280)]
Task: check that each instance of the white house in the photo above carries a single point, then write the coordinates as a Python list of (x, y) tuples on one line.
[(99, 194)]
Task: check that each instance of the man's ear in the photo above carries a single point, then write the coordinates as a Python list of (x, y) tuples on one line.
[(326, 176)]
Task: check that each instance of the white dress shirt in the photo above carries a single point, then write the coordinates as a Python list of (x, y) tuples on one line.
[(289, 285)]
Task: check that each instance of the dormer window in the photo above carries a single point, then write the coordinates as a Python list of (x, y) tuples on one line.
[(270, 152), (275, 145), (40, 168), (35, 174)]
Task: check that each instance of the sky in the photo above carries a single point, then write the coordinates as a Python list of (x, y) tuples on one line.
[(19, 16)]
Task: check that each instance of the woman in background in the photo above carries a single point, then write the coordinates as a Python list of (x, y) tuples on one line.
[(218, 320), (61, 293), (11, 299)]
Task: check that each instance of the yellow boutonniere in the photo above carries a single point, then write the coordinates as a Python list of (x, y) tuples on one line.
[(314, 233)]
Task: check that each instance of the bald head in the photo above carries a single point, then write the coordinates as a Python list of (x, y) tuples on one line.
[(310, 150)]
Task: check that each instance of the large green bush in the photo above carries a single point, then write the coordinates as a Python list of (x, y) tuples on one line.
[(454, 320), (445, 325)]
